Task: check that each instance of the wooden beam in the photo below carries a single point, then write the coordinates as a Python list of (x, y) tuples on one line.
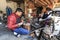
[(51, 2), (43, 2), (36, 3), (59, 1), (40, 2), (56, 1), (47, 1)]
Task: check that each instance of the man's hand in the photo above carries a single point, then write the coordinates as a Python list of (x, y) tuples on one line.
[(22, 20), (19, 24)]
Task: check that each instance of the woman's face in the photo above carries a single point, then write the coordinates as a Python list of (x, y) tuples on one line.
[(44, 10)]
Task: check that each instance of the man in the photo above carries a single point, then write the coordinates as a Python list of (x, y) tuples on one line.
[(14, 23)]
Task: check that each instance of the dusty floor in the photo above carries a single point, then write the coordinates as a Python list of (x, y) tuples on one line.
[(6, 34)]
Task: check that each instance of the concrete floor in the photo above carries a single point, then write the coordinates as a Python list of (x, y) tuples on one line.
[(6, 34)]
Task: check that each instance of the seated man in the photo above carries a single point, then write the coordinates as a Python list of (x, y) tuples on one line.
[(14, 22)]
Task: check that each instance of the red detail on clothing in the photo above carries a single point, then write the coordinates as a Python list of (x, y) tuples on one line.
[(11, 21)]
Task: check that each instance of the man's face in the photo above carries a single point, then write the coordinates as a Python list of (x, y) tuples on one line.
[(19, 13)]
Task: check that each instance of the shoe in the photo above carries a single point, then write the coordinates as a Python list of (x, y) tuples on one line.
[(16, 34)]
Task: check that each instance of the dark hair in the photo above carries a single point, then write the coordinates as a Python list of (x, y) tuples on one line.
[(19, 10), (1, 11), (48, 9), (39, 10)]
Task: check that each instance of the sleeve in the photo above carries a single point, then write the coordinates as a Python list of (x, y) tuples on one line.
[(11, 23)]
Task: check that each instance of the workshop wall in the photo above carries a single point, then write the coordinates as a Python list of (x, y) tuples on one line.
[(4, 4), (12, 5)]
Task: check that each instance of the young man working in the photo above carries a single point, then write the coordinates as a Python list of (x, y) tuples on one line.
[(14, 22)]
